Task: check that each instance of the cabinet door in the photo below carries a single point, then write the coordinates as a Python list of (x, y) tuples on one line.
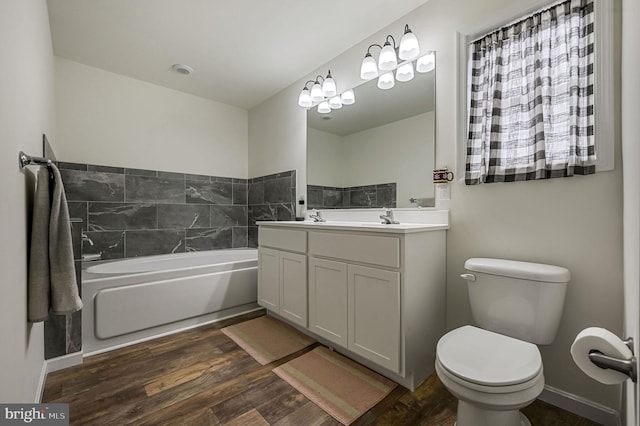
[(374, 315), (328, 299), (269, 279), (293, 287)]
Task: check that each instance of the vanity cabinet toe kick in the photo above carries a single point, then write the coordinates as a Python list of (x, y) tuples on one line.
[(378, 298)]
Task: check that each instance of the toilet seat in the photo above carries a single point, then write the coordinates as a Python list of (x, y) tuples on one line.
[(492, 362)]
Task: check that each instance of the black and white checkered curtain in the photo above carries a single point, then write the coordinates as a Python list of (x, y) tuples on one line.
[(531, 98)]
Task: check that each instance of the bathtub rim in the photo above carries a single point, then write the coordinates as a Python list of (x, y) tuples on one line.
[(128, 278)]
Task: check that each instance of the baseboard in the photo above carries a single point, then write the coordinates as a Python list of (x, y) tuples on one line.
[(55, 364), (580, 406), (65, 361)]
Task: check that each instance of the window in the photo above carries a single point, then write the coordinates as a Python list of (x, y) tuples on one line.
[(532, 98)]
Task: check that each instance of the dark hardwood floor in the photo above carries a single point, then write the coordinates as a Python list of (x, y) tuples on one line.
[(201, 377)]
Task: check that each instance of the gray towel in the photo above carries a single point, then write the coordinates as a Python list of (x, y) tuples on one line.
[(38, 286), (64, 289), (52, 278)]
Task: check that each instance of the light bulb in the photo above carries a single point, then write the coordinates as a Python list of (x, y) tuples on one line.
[(405, 72), (335, 102), (386, 81), (426, 63), (329, 86), (304, 100), (369, 68), (316, 92), (348, 97), (387, 60), (409, 47), (324, 108)]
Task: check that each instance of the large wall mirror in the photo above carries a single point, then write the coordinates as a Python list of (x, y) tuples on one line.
[(378, 152)]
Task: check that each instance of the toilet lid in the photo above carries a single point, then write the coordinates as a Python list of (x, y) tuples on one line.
[(486, 358)]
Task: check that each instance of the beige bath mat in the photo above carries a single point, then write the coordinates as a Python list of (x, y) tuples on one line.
[(267, 339), (344, 389)]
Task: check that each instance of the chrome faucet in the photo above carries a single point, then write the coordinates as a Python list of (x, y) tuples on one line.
[(317, 216), (387, 217), (87, 239)]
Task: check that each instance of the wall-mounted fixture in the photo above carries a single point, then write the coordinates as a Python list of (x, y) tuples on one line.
[(323, 87), (408, 51), (324, 93)]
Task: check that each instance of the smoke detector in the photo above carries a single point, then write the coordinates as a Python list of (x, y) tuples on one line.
[(182, 69)]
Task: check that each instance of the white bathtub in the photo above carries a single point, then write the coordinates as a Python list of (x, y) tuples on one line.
[(132, 300)]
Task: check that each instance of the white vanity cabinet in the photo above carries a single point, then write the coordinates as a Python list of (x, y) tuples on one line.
[(374, 315), (375, 293), (282, 274), (328, 299)]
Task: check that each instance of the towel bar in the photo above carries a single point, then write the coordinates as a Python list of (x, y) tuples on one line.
[(26, 160)]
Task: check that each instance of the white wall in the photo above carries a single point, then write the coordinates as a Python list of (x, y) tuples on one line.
[(574, 222), (400, 152), (109, 119), (277, 138), (26, 112), (328, 163)]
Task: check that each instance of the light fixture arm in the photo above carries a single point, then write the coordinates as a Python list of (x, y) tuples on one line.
[(369, 49), (305, 85), (386, 41)]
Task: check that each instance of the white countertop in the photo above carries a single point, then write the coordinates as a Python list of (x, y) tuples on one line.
[(401, 228)]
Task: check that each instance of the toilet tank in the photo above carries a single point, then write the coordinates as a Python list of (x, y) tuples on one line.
[(519, 299)]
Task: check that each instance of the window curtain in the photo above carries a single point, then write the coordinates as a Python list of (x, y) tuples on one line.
[(531, 111)]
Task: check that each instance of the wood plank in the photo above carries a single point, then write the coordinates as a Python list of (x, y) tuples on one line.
[(250, 418)]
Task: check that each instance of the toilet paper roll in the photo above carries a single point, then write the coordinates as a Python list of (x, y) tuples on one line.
[(599, 339)]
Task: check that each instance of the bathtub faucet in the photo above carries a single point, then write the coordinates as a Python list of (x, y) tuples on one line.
[(87, 239)]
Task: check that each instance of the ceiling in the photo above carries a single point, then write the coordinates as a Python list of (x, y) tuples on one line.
[(243, 51)]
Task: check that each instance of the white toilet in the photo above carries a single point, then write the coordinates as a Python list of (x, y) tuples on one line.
[(497, 369)]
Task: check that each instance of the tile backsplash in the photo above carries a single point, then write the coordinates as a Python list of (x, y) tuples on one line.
[(326, 197), (136, 212), (270, 197)]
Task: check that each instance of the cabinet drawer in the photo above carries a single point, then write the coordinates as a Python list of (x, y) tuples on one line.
[(285, 239), (373, 249)]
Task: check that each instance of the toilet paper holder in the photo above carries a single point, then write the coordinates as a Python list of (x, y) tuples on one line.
[(624, 366)]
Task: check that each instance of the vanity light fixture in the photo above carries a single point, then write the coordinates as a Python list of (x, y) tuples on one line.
[(348, 97), (335, 102), (386, 81), (324, 108), (322, 88), (405, 72), (408, 50), (388, 59), (324, 93), (426, 63)]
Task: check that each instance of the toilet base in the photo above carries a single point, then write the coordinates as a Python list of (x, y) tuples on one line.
[(473, 415)]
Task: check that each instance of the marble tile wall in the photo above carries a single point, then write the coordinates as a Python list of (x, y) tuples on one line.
[(271, 197), (136, 212), (63, 333), (327, 197)]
